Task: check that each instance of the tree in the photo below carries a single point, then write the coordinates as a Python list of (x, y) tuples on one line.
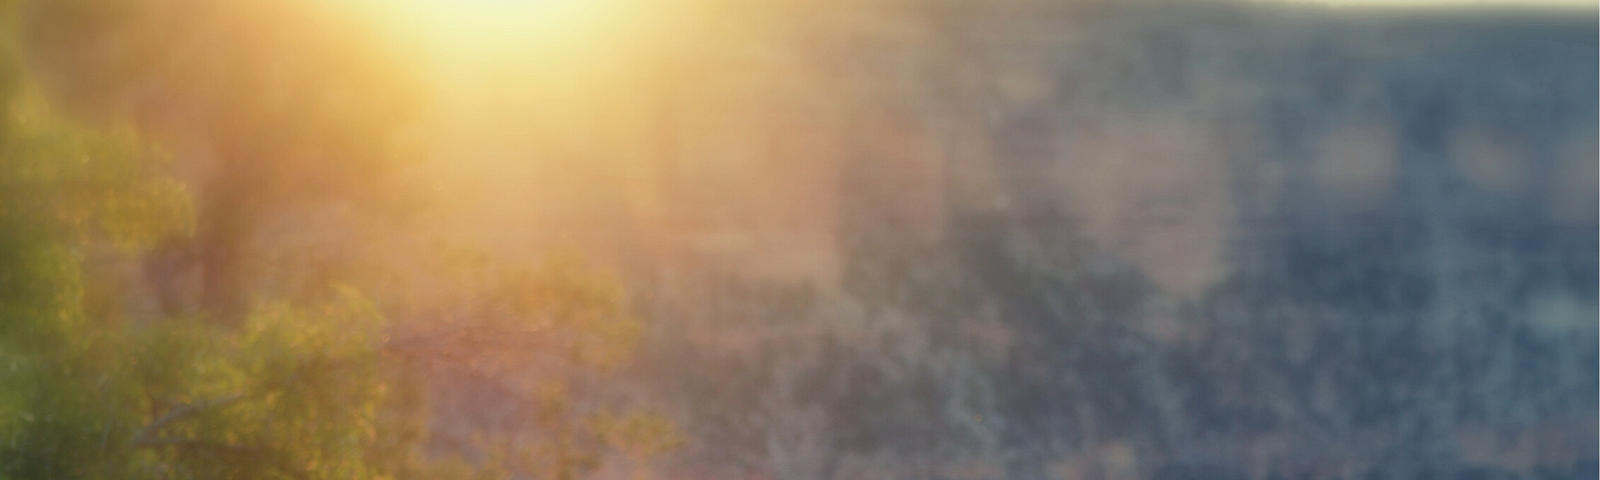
[(275, 107), (86, 397), (289, 389)]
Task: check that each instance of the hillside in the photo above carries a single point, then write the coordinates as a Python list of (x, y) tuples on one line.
[(1029, 240)]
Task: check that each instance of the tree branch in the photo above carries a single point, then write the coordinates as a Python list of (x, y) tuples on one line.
[(145, 437)]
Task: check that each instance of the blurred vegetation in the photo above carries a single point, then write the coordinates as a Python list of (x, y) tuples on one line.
[(278, 107), (287, 386)]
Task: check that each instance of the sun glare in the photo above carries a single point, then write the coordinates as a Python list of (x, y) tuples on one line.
[(498, 27), (515, 22), (575, 27)]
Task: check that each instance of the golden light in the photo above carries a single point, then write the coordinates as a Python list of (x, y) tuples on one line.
[(535, 24), (512, 28)]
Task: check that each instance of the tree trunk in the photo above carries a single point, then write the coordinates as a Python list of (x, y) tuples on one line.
[(229, 215)]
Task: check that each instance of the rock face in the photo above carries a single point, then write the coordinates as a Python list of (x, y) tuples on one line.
[(1105, 240)]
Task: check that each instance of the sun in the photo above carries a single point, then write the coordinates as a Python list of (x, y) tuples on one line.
[(525, 23), (531, 27)]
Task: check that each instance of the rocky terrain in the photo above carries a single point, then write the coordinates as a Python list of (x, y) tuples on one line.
[(1086, 240)]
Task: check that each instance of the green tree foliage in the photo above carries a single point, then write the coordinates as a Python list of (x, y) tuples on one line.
[(292, 395), (324, 389), (62, 188), (280, 106)]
